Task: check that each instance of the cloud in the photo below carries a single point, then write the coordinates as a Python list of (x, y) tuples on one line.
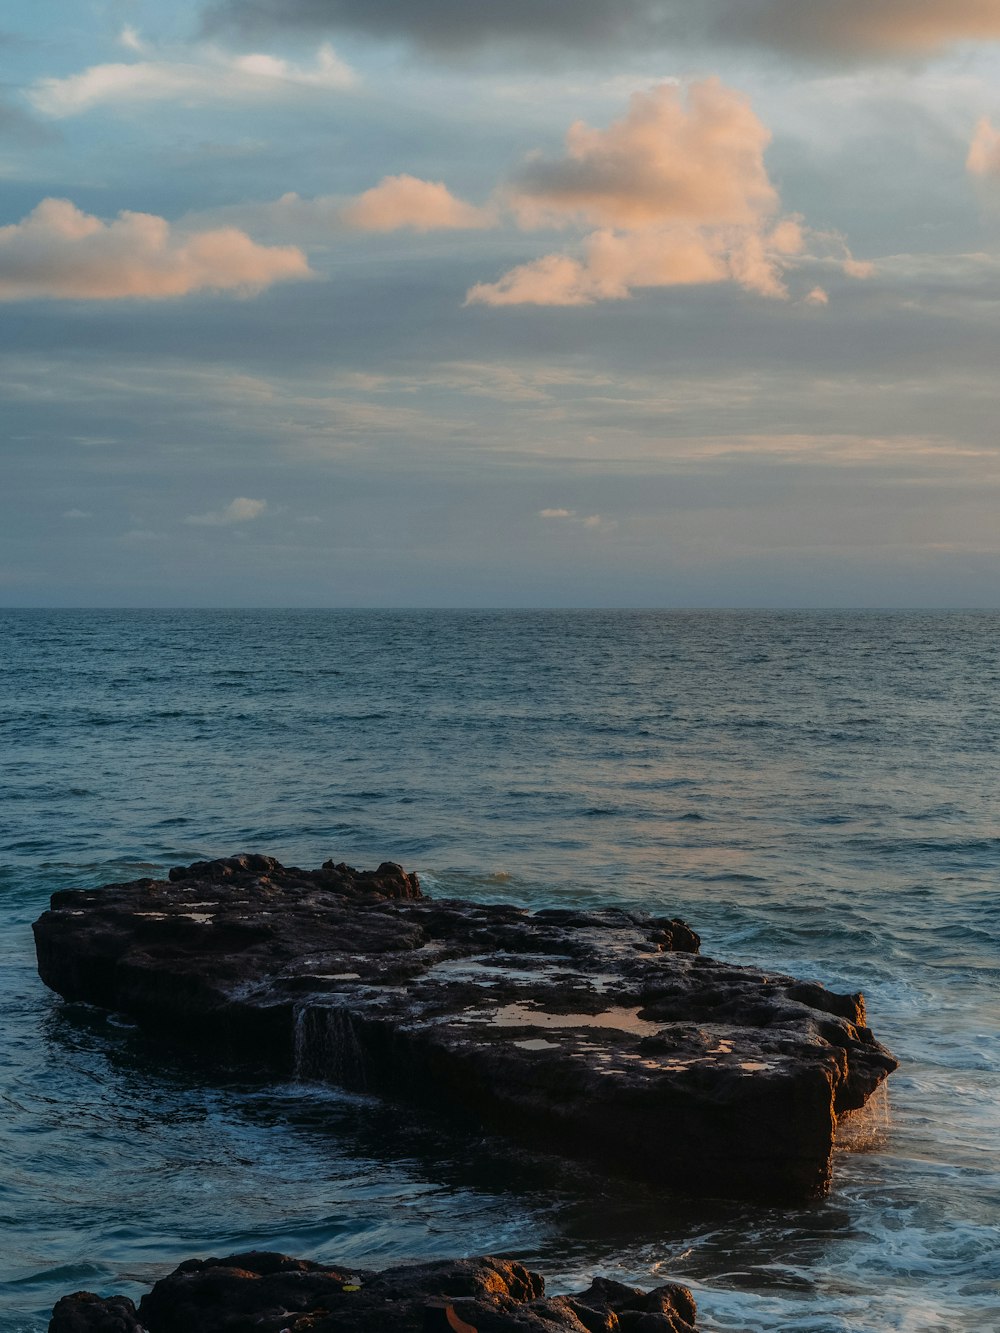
[(130, 39), (615, 264), (856, 28), (240, 510), (677, 188), (78, 513), (680, 192), (815, 29), (212, 77), (856, 268), (406, 201), (984, 151), (591, 521), (59, 252), (394, 204), (699, 159), (447, 25)]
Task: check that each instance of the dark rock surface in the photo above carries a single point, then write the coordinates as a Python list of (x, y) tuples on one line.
[(83, 1312), (603, 1033), (261, 1292)]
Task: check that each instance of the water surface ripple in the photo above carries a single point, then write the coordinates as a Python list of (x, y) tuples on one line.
[(816, 792)]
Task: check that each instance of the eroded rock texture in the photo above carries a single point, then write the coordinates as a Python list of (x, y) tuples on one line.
[(262, 1292), (603, 1033)]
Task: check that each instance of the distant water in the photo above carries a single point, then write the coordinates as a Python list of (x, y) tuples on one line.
[(819, 793)]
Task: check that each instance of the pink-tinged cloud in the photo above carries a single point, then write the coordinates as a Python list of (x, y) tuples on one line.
[(612, 265), (695, 159), (615, 263), (556, 280), (984, 151), (59, 252), (406, 201), (680, 193), (857, 268)]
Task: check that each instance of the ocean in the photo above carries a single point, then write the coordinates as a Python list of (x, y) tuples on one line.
[(817, 792)]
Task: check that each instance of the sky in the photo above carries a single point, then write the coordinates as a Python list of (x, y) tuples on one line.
[(528, 303)]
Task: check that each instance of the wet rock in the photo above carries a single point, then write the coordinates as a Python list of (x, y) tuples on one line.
[(83, 1312), (262, 1292), (603, 1033)]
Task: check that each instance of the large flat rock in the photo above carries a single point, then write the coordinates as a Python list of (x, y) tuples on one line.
[(262, 1292), (602, 1033)]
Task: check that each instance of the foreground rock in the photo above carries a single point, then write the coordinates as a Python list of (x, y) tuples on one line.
[(604, 1033), (261, 1292)]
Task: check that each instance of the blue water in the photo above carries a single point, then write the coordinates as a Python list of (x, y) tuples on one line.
[(817, 792)]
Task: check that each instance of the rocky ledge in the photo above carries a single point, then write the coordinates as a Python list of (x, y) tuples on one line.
[(602, 1033), (262, 1292)]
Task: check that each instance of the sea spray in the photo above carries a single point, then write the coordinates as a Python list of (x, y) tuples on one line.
[(866, 1129)]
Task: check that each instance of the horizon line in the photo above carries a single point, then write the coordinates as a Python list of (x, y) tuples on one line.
[(646, 609)]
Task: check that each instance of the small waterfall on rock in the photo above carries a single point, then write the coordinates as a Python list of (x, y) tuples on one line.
[(326, 1048)]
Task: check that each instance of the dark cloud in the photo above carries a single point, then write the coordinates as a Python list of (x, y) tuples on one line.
[(860, 27), (823, 29), (455, 25)]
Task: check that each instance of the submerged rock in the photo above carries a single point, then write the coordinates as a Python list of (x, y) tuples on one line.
[(603, 1033), (261, 1292)]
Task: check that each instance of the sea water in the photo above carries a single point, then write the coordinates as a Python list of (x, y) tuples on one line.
[(815, 792)]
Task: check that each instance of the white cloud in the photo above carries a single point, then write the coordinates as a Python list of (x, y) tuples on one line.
[(59, 252), (210, 75), (557, 513), (130, 39), (240, 510), (77, 513)]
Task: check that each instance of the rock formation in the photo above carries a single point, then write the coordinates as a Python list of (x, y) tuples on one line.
[(262, 1292), (602, 1033)]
